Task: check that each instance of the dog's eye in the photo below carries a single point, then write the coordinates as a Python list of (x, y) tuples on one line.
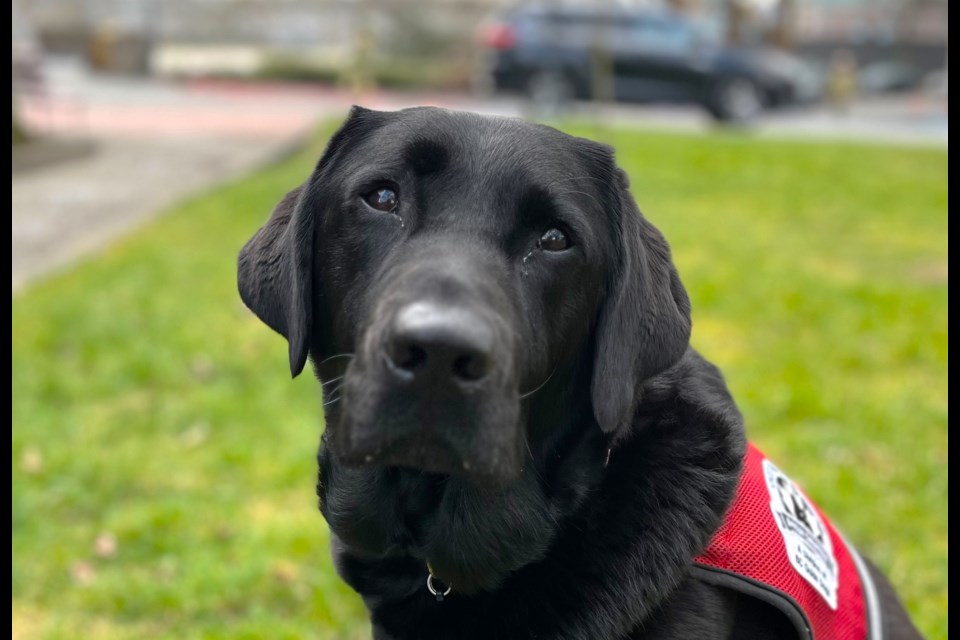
[(553, 240), (382, 199)]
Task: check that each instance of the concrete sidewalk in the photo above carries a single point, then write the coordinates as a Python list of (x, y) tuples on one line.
[(70, 209), (151, 145)]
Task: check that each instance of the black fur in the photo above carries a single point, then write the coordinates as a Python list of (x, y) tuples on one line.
[(564, 493)]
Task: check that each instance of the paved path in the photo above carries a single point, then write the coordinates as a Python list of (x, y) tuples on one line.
[(152, 145), (69, 209)]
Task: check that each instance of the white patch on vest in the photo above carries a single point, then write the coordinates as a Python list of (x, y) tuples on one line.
[(804, 535)]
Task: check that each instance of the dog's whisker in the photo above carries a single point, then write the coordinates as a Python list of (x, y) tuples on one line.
[(330, 392), (533, 465), (542, 384), (332, 400), (533, 460), (332, 380), (339, 355)]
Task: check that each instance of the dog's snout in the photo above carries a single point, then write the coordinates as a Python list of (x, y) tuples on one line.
[(429, 341)]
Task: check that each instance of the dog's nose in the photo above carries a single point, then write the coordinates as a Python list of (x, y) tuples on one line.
[(432, 342)]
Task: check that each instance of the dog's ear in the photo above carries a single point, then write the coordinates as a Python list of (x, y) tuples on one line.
[(275, 268), (644, 324), (275, 275)]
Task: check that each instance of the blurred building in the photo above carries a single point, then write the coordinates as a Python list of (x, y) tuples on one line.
[(907, 31), (306, 37)]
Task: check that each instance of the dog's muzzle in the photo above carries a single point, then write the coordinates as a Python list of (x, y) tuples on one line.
[(432, 389)]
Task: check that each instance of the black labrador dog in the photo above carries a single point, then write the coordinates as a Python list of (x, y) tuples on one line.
[(520, 441)]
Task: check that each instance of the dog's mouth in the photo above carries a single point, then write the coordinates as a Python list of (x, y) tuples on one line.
[(477, 434)]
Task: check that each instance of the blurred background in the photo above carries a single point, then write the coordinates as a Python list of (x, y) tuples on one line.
[(793, 152)]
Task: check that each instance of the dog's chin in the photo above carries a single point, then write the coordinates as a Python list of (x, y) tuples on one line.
[(484, 445), (428, 458)]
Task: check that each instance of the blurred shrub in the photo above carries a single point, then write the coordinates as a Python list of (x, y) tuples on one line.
[(411, 36), (114, 50), (300, 69), (400, 73), (19, 135), (421, 73)]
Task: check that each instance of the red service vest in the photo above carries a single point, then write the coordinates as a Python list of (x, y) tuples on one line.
[(776, 545)]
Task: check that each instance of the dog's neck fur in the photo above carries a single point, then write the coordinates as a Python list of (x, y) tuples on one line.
[(617, 555)]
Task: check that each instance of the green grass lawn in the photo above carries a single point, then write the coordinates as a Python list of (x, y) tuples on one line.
[(163, 466)]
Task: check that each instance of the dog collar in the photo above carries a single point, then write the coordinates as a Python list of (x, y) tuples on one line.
[(436, 586)]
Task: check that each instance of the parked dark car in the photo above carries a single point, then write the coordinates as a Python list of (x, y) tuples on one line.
[(555, 54), (889, 76)]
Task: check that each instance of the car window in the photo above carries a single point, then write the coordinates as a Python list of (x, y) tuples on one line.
[(576, 29), (663, 36)]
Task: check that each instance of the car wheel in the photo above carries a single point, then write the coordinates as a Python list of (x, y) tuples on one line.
[(736, 101), (550, 90)]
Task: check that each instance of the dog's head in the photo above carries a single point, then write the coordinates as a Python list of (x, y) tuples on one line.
[(440, 268)]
